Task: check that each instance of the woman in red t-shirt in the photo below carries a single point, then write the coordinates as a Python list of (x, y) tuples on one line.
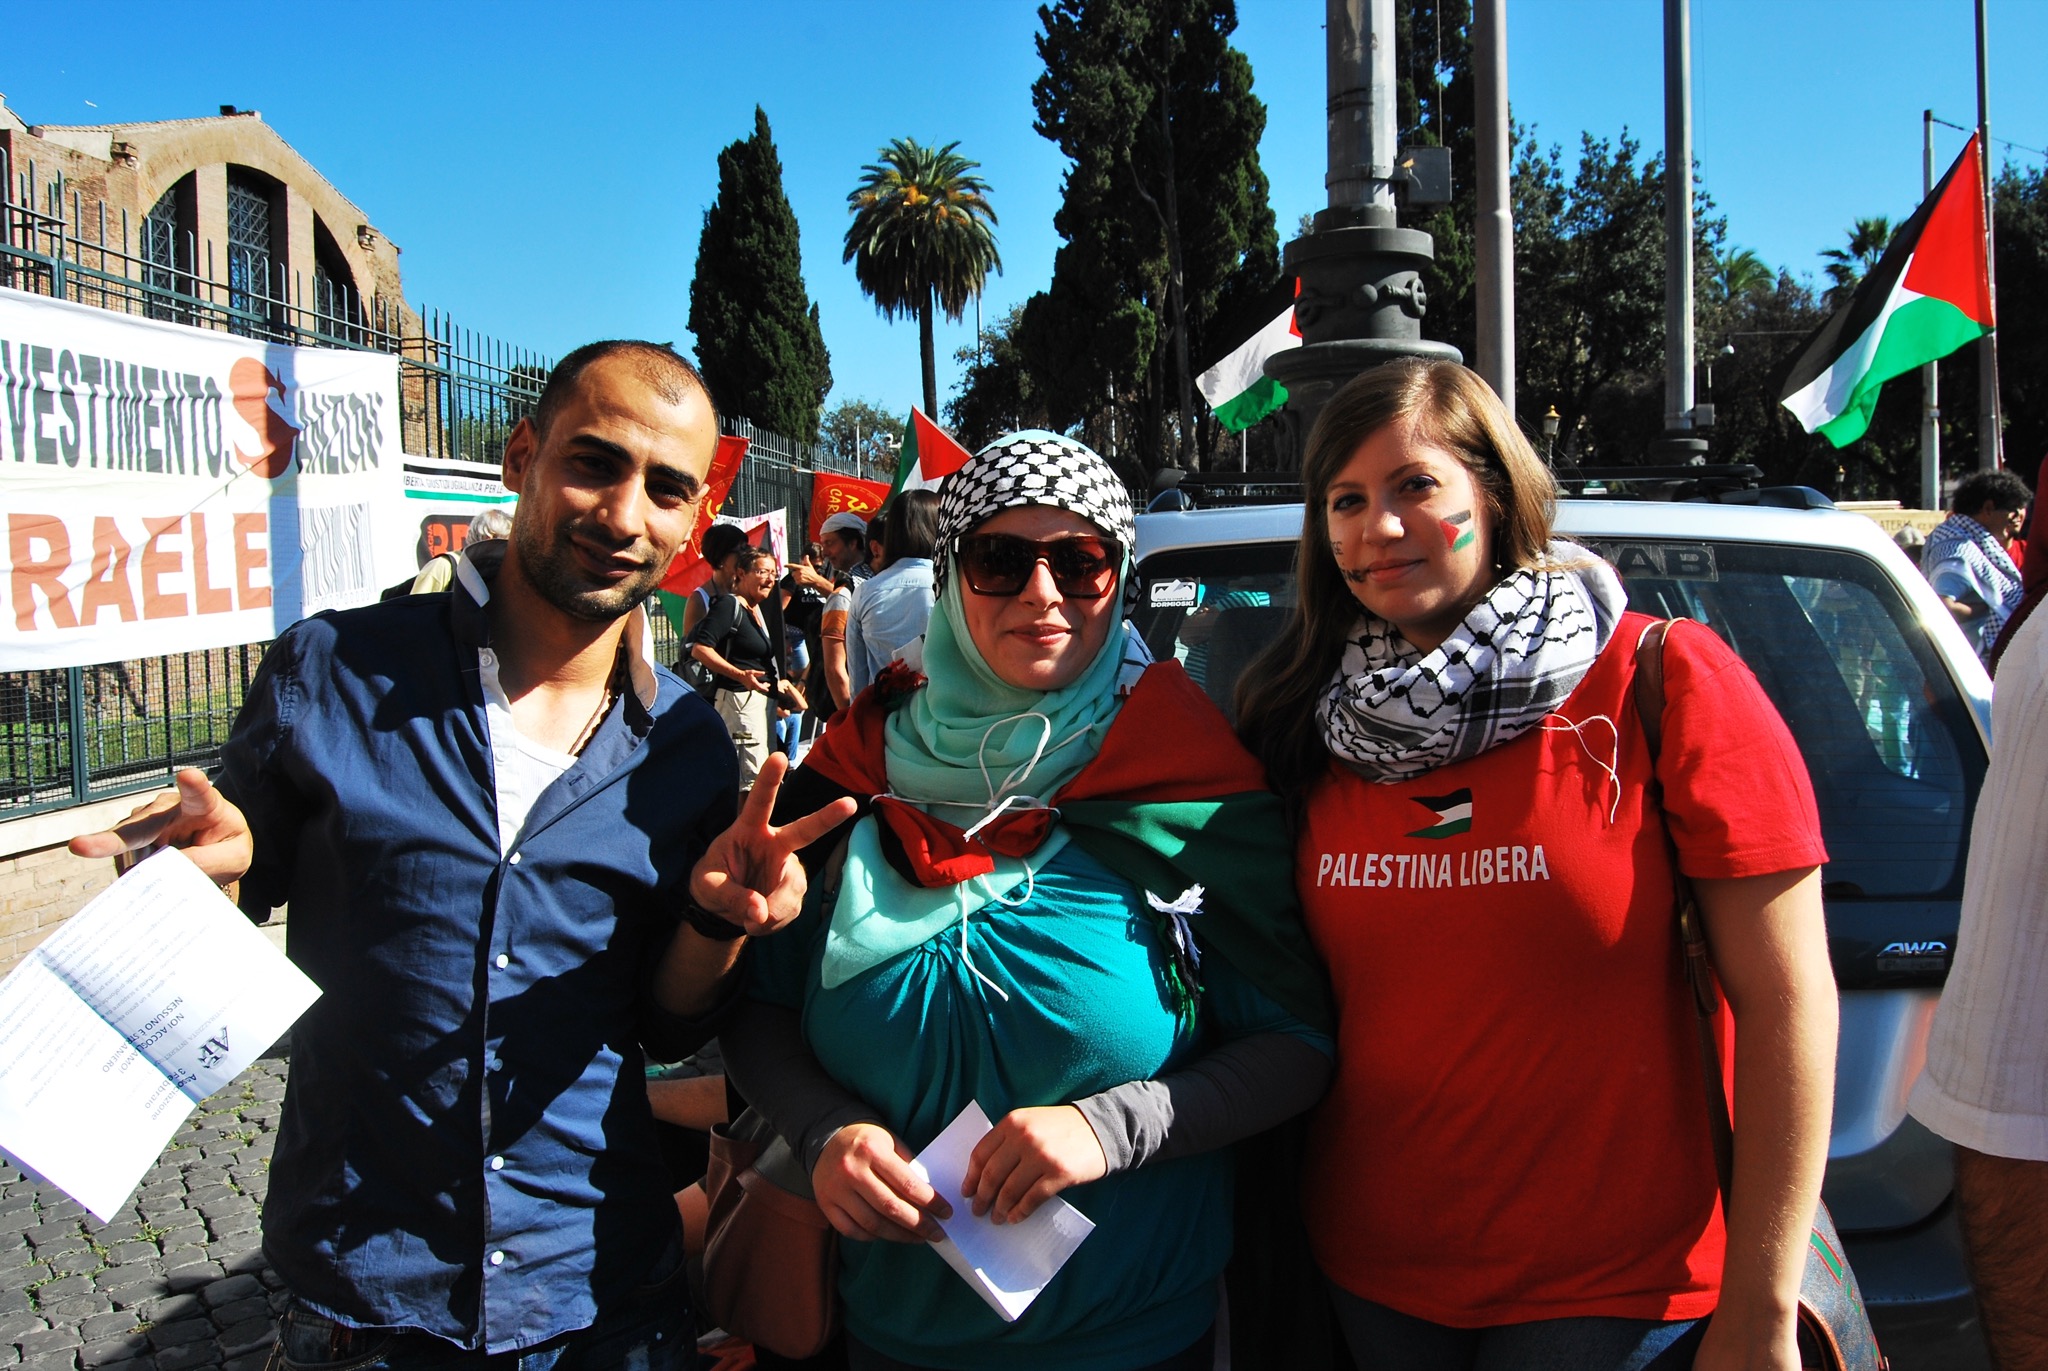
[(1514, 1167)]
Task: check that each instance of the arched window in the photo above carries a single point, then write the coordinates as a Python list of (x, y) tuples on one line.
[(252, 283), (337, 305), (166, 253)]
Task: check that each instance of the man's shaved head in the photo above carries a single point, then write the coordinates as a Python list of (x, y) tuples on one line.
[(665, 369)]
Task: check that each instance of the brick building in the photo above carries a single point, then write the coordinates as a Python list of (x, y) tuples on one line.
[(212, 207), (218, 222)]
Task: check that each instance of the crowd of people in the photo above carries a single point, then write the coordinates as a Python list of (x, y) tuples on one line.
[(1027, 867)]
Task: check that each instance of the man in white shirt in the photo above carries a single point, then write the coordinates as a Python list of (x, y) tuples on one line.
[(1986, 1083)]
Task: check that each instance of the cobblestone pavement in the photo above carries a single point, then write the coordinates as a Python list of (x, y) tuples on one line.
[(177, 1281)]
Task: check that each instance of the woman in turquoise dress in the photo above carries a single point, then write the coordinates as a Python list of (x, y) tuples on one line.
[(1067, 898)]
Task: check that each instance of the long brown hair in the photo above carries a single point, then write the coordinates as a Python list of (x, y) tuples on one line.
[(1443, 404)]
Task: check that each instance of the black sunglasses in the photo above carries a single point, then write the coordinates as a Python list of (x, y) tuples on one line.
[(1083, 568)]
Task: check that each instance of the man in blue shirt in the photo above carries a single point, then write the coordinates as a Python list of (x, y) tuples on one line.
[(507, 839)]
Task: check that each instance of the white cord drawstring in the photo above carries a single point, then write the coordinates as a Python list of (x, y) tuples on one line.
[(1610, 767), (1000, 800)]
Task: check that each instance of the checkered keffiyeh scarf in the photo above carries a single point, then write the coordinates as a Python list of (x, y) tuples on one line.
[(1395, 712), (1033, 467), (1982, 561)]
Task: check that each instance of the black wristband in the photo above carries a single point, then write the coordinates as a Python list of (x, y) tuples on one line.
[(709, 924)]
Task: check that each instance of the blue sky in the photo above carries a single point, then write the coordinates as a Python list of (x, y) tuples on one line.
[(545, 167)]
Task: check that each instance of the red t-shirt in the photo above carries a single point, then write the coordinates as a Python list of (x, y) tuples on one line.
[(1518, 1129)]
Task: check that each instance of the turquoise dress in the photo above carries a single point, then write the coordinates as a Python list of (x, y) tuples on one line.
[(920, 1035)]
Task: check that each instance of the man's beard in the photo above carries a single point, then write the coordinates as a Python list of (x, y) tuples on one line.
[(548, 564)]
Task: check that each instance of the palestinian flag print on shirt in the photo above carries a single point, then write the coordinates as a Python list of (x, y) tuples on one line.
[(1929, 295), (1453, 814)]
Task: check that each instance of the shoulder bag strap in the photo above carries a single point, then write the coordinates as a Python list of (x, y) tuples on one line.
[(1692, 935)]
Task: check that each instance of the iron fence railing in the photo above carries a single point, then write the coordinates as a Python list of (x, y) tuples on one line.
[(88, 733)]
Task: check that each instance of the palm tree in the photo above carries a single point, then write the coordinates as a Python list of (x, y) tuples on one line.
[(1848, 266), (922, 237), (1740, 274)]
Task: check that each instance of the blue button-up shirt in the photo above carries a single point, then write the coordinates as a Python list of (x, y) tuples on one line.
[(890, 608), (466, 1146)]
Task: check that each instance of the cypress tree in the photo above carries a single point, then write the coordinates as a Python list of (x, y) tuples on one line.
[(1165, 214), (759, 345)]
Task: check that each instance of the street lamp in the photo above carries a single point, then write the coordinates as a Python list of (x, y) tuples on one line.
[(891, 445), (1551, 419)]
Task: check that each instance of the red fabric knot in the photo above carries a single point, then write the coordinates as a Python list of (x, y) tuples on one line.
[(942, 854), (896, 683)]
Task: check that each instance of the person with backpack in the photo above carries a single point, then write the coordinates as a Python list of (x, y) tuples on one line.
[(744, 656)]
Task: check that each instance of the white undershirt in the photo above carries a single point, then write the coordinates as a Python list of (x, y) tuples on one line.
[(1986, 1082), (521, 767)]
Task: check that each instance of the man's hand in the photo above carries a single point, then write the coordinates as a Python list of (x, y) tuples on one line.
[(868, 1188), (197, 819), (1029, 1157), (750, 874), (807, 577), (755, 681)]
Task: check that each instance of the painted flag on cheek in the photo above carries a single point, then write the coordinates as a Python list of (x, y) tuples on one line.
[(1458, 530)]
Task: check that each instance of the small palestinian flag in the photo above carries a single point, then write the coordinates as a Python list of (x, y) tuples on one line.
[(1237, 387), (1453, 815), (929, 456), (1928, 295)]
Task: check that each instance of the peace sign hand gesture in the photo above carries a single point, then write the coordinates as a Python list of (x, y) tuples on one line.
[(750, 875)]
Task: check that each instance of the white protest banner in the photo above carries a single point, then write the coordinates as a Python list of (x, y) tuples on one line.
[(770, 531), (167, 489), (444, 496)]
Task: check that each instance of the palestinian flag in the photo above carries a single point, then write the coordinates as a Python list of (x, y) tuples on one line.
[(929, 456), (1453, 814), (1928, 295), (1237, 387)]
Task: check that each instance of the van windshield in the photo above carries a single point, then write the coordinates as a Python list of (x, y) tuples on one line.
[(1894, 755)]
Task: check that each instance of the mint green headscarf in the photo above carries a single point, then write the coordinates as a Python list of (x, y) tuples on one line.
[(968, 743), (968, 739)]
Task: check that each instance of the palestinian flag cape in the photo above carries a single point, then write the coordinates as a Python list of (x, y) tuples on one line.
[(1928, 295), (929, 456), (1164, 815)]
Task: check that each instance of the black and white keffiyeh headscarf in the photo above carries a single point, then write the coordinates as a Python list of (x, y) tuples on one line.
[(1962, 549), (1033, 467), (1395, 712)]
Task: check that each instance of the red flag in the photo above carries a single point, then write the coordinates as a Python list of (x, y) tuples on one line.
[(832, 493), (688, 570)]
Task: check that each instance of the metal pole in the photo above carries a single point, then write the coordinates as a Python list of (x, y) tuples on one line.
[(1930, 375), (1496, 322), (1678, 341), (1987, 348), (1360, 55)]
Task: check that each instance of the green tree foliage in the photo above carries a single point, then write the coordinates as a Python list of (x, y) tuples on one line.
[(1847, 267), (1736, 275), (922, 239), (1435, 106), (1589, 296), (1748, 324), (2021, 199), (758, 341), (1165, 218), (997, 393), (860, 432)]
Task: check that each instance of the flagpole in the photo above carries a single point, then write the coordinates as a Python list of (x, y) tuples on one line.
[(1930, 375), (1987, 347)]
